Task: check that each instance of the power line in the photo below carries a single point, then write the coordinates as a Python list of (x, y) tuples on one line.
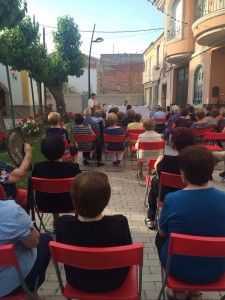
[(111, 32)]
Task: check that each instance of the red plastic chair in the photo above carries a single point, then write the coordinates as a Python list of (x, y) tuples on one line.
[(86, 138), (51, 186), (148, 181), (148, 146), (2, 193), (210, 139), (101, 259), (8, 259), (189, 245), (113, 139)]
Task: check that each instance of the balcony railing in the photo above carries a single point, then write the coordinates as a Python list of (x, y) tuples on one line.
[(206, 7), (174, 32)]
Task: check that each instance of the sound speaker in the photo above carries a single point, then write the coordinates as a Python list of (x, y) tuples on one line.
[(215, 91)]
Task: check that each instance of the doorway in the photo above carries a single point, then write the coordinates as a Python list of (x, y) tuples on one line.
[(182, 75)]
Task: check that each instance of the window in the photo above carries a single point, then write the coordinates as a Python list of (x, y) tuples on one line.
[(157, 55), (150, 66), (198, 85), (175, 21)]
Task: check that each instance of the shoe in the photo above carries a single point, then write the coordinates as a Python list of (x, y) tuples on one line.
[(86, 163), (100, 164), (115, 163), (118, 162), (150, 224), (222, 174)]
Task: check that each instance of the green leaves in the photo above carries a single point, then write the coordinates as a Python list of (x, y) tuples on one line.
[(11, 12)]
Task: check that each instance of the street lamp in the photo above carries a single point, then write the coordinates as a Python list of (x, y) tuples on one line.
[(97, 40)]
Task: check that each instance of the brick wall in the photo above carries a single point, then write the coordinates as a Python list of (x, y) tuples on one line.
[(120, 73)]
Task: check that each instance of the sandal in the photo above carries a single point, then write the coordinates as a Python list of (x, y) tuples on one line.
[(194, 296), (150, 224), (174, 295)]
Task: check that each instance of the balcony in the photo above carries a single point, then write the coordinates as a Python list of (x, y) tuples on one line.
[(209, 25)]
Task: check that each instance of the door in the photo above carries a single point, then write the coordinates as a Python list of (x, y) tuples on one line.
[(182, 75), (164, 95)]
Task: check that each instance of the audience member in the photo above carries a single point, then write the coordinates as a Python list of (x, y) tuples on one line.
[(120, 116), (211, 119), (113, 129), (148, 136), (184, 120), (136, 125), (129, 118), (90, 195), (31, 248), (81, 129), (10, 175), (188, 211), (113, 110), (99, 140), (191, 112), (92, 102), (88, 120), (200, 124), (56, 129), (181, 137), (53, 148), (159, 114), (168, 112), (172, 120)]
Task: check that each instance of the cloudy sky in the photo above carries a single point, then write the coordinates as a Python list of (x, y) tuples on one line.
[(109, 15)]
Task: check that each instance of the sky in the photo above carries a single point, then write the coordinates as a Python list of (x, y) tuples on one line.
[(108, 15)]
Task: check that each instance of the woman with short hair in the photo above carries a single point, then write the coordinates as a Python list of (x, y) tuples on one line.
[(90, 194), (199, 210), (53, 149)]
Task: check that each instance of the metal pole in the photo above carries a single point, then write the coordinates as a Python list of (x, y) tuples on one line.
[(10, 97), (89, 64), (45, 92), (32, 94)]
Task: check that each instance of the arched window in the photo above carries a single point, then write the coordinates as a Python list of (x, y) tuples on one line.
[(198, 85), (175, 18)]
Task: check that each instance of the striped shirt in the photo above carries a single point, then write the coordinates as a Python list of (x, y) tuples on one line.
[(83, 130)]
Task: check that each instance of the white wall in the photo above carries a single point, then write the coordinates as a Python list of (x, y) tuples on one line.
[(16, 85), (80, 84)]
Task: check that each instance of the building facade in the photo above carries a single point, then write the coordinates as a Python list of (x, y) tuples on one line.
[(194, 51)]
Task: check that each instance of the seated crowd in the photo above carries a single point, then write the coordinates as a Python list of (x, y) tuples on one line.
[(182, 210)]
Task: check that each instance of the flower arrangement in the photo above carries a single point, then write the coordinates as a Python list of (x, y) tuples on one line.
[(29, 126)]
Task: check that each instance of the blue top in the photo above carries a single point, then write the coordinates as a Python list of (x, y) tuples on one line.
[(195, 212), (93, 123), (15, 226), (114, 131)]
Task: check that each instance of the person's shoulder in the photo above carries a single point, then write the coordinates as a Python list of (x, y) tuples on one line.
[(10, 209), (39, 166), (119, 219), (65, 221), (218, 192)]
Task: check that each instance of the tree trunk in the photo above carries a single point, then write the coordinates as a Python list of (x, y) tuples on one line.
[(39, 91), (57, 93)]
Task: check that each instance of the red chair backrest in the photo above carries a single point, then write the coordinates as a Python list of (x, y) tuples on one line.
[(97, 258), (200, 131), (157, 145), (114, 138), (2, 193), (8, 256), (135, 131), (214, 135), (160, 121), (51, 186), (172, 180), (84, 138), (134, 136), (190, 245)]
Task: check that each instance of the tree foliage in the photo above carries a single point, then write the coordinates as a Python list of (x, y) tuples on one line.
[(22, 50), (11, 12)]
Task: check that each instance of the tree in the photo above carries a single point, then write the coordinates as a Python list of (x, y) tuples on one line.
[(11, 12), (22, 50)]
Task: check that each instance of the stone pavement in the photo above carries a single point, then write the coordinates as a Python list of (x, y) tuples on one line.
[(127, 198)]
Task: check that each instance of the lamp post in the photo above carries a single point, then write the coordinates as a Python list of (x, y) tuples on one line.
[(98, 40)]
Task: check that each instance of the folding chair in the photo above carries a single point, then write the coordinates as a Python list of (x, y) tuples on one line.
[(101, 259), (189, 245), (210, 139), (8, 259), (148, 146), (50, 186), (86, 138), (169, 180), (148, 181), (198, 134), (113, 139)]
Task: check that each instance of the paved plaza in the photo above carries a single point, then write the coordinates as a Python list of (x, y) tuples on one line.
[(127, 198)]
